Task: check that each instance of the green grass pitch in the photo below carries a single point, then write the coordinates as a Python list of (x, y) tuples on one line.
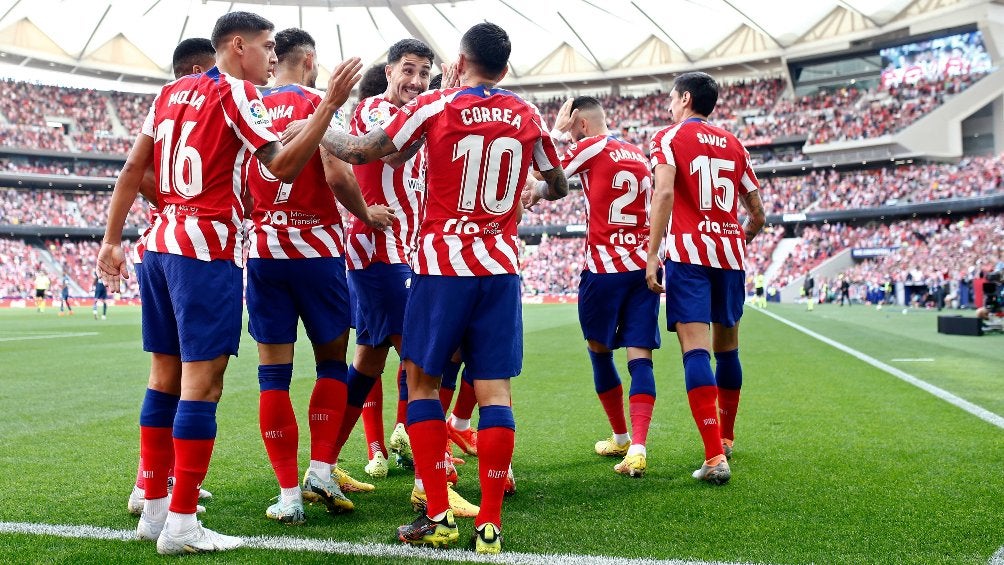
[(836, 461)]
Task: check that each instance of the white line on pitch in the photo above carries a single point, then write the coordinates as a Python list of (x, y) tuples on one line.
[(47, 336), (997, 558), (287, 543), (978, 411), (915, 360)]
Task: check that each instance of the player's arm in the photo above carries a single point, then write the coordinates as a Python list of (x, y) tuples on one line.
[(338, 175), (756, 217), (111, 259), (553, 186), (662, 207), (358, 150), (403, 156), (148, 186), (286, 161)]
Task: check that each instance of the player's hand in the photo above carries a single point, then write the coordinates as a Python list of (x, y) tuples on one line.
[(379, 217), (343, 78), (653, 275), (529, 197), (293, 129), (566, 116), (112, 266), (451, 78)]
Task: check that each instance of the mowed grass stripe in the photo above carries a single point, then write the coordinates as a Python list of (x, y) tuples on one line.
[(835, 461)]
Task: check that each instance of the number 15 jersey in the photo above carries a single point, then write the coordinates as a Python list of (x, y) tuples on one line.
[(712, 169), (481, 142)]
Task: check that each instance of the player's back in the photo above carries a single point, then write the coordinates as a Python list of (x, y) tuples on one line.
[(298, 219), (712, 170), (617, 186), (204, 128)]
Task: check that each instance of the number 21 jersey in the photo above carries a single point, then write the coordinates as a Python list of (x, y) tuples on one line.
[(712, 169)]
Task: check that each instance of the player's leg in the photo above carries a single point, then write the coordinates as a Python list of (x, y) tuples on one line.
[(729, 377), (364, 385), (449, 383), (459, 424)]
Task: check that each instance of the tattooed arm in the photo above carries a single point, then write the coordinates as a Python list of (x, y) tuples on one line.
[(756, 219), (358, 150)]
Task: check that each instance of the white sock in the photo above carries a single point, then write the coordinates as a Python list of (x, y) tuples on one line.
[(156, 510), (288, 495), (141, 493), (460, 425), (178, 523), (419, 485), (621, 439), (321, 469), (438, 517), (636, 449)]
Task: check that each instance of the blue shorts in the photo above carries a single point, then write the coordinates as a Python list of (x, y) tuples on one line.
[(381, 293), (281, 292), (100, 292), (482, 316), (619, 310), (695, 293), (191, 308)]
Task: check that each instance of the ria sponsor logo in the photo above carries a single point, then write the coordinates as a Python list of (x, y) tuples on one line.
[(621, 238), (461, 226), (710, 226)]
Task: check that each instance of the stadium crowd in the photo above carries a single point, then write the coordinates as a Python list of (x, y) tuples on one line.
[(64, 209)]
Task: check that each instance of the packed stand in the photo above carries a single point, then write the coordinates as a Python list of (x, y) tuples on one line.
[(554, 266), (19, 263), (56, 166), (66, 209), (131, 109)]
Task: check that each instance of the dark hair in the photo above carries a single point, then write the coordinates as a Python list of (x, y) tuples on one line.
[(190, 52), (703, 91), (586, 103), (288, 40), (238, 22), (436, 83), (374, 82), (487, 47), (409, 46)]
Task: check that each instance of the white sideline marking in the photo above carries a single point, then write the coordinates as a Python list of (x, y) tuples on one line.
[(997, 558), (978, 411), (287, 543), (917, 360), (47, 336)]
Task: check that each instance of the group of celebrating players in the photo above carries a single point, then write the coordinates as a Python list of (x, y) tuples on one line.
[(437, 181)]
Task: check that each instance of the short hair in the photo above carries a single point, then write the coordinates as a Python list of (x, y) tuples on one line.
[(190, 52), (409, 46), (703, 91), (586, 103), (238, 22), (487, 46), (288, 40), (374, 82), (437, 82)]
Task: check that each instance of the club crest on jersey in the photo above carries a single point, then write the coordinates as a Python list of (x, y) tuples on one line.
[(259, 113)]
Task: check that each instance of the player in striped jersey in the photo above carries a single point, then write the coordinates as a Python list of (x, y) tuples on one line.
[(482, 141), (192, 56), (296, 270), (702, 173), (616, 308), (200, 131)]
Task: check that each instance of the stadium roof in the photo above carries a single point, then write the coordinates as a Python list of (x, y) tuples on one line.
[(554, 41)]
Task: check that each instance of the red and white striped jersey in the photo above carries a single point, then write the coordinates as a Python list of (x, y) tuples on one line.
[(204, 127), (712, 170), (295, 220), (402, 188), (617, 184), (481, 145)]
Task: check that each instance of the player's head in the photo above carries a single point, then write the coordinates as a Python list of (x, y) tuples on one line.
[(695, 92), (244, 46), (409, 66), (193, 56), (374, 82), (297, 55), (484, 52), (589, 120), (436, 83)]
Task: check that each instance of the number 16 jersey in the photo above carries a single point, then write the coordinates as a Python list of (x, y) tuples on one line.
[(481, 144), (712, 170)]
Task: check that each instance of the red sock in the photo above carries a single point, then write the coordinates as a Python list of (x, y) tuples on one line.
[(373, 420), (613, 404), (702, 406), (326, 409), (641, 406), (140, 481), (466, 400), (280, 433), (427, 440), (495, 447), (446, 398), (191, 461), (728, 405), (157, 456)]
